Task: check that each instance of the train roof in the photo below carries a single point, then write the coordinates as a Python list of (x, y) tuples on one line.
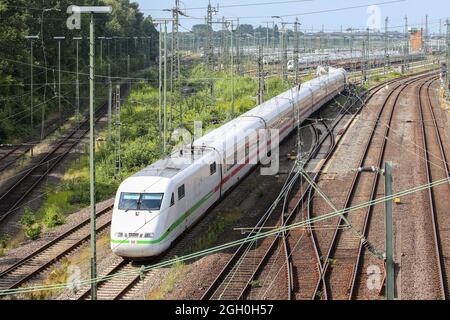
[(172, 165), (220, 137), (285, 99)]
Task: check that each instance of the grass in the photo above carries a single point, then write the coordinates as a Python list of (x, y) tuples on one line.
[(57, 276), (60, 274), (216, 229), (168, 284)]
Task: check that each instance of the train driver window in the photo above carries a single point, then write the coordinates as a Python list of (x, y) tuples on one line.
[(213, 168), (129, 201), (172, 200), (151, 201), (181, 192)]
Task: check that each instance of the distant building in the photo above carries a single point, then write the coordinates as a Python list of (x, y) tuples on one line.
[(416, 40)]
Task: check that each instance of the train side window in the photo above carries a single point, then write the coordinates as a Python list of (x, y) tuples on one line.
[(213, 168), (172, 200), (181, 192)]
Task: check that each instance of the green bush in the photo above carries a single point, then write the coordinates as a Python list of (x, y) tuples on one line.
[(30, 226), (34, 231), (28, 218), (53, 217), (3, 241)]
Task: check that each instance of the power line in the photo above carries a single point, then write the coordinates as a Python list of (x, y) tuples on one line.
[(315, 12), (238, 5)]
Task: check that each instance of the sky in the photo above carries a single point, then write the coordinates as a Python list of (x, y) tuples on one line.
[(311, 12)]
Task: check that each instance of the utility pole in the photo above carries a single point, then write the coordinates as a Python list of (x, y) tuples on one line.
[(296, 51), (390, 270), (31, 38), (163, 79), (210, 47), (273, 37), (284, 54), (109, 101), (260, 75), (128, 70), (165, 87), (426, 35), (160, 82), (224, 44), (389, 235), (406, 44), (101, 53), (92, 158), (368, 55), (364, 62), (232, 70), (386, 46), (118, 125), (174, 66), (447, 83), (237, 37), (77, 81), (92, 11), (59, 75)]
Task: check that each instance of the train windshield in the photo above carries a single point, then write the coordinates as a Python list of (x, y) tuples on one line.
[(140, 201), (151, 201)]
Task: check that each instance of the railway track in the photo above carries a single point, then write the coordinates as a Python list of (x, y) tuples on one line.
[(126, 285), (30, 178), (238, 276), (344, 251), (436, 165), (228, 286), (10, 155), (52, 252), (122, 287), (301, 245)]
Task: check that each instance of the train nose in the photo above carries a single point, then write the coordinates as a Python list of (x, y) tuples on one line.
[(137, 248)]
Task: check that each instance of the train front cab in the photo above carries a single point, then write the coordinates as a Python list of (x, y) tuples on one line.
[(138, 215)]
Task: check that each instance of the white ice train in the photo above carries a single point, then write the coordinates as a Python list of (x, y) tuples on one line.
[(153, 207)]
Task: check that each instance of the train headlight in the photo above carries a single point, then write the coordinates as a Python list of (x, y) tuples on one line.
[(118, 235)]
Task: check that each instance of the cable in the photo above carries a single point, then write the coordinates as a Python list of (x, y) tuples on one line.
[(237, 5), (314, 12)]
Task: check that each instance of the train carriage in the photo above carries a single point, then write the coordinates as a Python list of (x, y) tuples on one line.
[(155, 206)]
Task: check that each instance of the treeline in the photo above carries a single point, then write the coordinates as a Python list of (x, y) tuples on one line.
[(126, 40)]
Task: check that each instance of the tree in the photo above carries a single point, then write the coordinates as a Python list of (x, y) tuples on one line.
[(19, 18), (201, 29), (245, 28)]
